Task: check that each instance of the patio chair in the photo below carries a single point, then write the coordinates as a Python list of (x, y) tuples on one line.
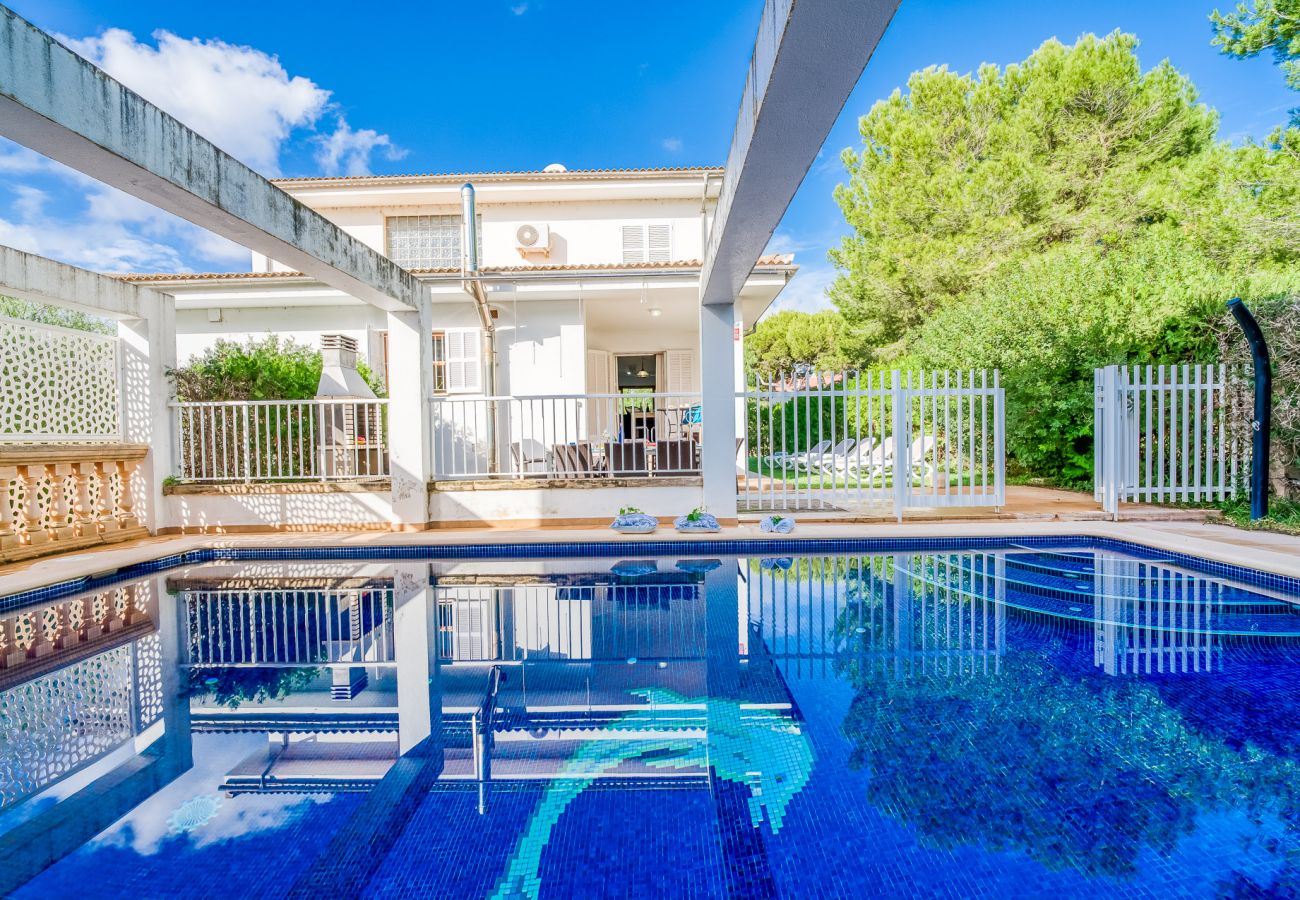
[(846, 458), (835, 458), (881, 460), (529, 456), (564, 459), (575, 461), (676, 458), (868, 463), (627, 458), (801, 460)]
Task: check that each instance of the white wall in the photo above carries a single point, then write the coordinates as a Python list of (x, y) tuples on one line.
[(593, 504), (581, 232), (195, 334), (269, 509), (541, 347)]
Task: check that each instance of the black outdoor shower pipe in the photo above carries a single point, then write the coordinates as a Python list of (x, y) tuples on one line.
[(1263, 422)]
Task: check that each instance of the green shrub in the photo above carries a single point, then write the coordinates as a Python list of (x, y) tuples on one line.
[(1048, 323), (265, 368)]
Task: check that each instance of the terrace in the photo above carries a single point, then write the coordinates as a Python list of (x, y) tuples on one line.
[(375, 645)]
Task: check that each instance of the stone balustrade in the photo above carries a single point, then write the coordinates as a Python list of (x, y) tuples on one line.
[(34, 633), (56, 497)]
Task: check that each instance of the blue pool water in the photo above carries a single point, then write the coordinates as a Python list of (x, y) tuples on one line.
[(1015, 720)]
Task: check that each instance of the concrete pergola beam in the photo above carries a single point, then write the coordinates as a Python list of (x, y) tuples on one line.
[(807, 59), (58, 104), (40, 280)]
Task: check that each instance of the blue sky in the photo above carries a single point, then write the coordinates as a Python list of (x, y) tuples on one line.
[(434, 86)]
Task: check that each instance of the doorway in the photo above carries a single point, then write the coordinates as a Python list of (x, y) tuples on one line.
[(637, 379)]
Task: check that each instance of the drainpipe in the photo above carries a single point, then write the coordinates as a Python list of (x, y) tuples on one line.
[(1263, 421), (704, 217), (472, 284)]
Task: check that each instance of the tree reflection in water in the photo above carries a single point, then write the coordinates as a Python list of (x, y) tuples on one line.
[(1070, 767)]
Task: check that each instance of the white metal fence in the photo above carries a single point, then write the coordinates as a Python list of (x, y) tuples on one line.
[(283, 627), (1167, 434), (904, 439), (58, 385), (282, 440), (567, 436)]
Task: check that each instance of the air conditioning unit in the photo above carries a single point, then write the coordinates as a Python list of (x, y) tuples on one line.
[(533, 240)]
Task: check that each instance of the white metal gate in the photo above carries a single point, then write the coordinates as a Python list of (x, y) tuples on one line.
[(1166, 434), (842, 440)]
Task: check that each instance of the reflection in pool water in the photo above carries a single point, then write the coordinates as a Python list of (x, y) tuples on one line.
[(1006, 720)]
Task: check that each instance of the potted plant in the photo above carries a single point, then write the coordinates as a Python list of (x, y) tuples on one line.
[(775, 524), (697, 521), (631, 520)]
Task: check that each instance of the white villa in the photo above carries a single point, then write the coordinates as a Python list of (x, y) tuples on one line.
[(587, 276), (565, 348)]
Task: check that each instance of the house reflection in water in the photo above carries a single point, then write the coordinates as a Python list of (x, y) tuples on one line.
[(92, 718), (530, 662)]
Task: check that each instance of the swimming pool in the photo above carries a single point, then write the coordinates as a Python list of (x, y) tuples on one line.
[(911, 717)]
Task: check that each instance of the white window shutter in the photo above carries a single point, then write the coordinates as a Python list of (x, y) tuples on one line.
[(660, 243), (598, 372), (680, 366), (464, 362), (634, 243), (600, 413)]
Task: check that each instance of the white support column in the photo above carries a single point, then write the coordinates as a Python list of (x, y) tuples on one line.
[(415, 635), (718, 406), (148, 347), (410, 374)]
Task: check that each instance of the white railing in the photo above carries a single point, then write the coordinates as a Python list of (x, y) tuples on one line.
[(282, 440), (1167, 433), (567, 436), (58, 385), (841, 439), (272, 627)]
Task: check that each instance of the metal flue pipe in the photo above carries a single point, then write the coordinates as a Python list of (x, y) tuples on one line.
[(473, 285), (1262, 424)]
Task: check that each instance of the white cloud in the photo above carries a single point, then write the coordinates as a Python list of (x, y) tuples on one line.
[(672, 144), (29, 201), (806, 292), (347, 152), (78, 220), (240, 98), (519, 9)]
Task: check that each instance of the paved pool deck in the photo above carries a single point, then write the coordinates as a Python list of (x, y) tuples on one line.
[(1262, 550)]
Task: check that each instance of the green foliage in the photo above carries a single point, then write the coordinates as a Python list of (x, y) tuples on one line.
[(789, 339), (266, 368), (234, 686), (13, 308), (1283, 515), (1279, 319), (1047, 324), (1263, 25), (1136, 774), (1062, 214), (963, 175)]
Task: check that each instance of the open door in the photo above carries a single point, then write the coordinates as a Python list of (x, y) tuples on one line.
[(600, 419)]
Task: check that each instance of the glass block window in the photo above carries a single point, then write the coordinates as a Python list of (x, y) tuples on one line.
[(424, 242)]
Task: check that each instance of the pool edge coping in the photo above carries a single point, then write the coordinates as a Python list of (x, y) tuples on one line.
[(1198, 552)]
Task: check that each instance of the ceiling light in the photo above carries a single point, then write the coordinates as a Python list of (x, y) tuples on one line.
[(655, 312), (643, 374)]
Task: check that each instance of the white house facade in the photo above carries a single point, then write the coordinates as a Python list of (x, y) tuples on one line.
[(566, 348), (586, 274)]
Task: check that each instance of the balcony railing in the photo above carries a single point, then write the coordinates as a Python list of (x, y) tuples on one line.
[(282, 440), (567, 436)]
